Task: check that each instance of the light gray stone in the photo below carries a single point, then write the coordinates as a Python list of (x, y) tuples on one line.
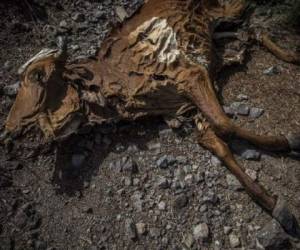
[(201, 231), (233, 183), (234, 241), (256, 112)]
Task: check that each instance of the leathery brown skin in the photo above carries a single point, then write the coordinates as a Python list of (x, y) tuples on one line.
[(160, 62)]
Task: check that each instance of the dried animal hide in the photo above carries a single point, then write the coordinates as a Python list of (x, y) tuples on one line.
[(162, 61)]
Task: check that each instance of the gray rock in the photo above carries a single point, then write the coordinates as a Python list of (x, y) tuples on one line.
[(229, 110), (189, 179), (201, 231), (181, 201), (137, 201), (163, 183), (162, 206), (188, 241), (63, 24), (75, 47), (252, 173), (233, 183), (130, 229), (11, 90), (99, 14), (129, 165), (251, 154), (141, 228), (7, 65), (182, 159), (154, 232), (165, 161), (203, 208), (274, 70), (242, 97), (211, 197), (215, 161), (78, 17), (256, 113), (272, 236), (240, 108), (121, 13), (234, 241), (227, 230)]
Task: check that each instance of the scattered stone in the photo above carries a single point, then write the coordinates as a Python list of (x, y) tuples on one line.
[(240, 108), (227, 230), (215, 161), (7, 65), (181, 201), (274, 70), (242, 97), (182, 159), (251, 154), (256, 113), (137, 201), (154, 232), (78, 17), (130, 229), (129, 165), (189, 179), (128, 181), (252, 173), (75, 47), (165, 161), (63, 24), (272, 236), (188, 241), (211, 197), (162, 182), (121, 13), (233, 183), (141, 228), (203, 208), (234, 241), (162, 206), (11, 90), (154, 146), (99, 14), (201, 231), (228, 110)]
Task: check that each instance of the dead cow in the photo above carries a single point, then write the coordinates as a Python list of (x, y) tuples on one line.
[(161, 62)]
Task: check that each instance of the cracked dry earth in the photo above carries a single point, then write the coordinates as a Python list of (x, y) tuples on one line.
[(139, 185)]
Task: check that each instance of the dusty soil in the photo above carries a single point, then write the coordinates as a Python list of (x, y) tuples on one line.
[(50, 201)]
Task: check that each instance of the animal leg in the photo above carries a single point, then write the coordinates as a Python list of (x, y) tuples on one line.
[(276, 207), (282, 54), (202, 93)]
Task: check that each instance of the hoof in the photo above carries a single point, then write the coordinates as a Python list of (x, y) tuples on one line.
[(286, 219), (294, 142)]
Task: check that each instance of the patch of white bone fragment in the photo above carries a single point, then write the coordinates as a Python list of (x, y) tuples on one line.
[(156, 40)]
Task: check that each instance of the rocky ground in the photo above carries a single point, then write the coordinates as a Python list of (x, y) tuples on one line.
[(142, 185)]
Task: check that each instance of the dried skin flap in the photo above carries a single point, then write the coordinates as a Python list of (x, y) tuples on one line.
[(155, 40)]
